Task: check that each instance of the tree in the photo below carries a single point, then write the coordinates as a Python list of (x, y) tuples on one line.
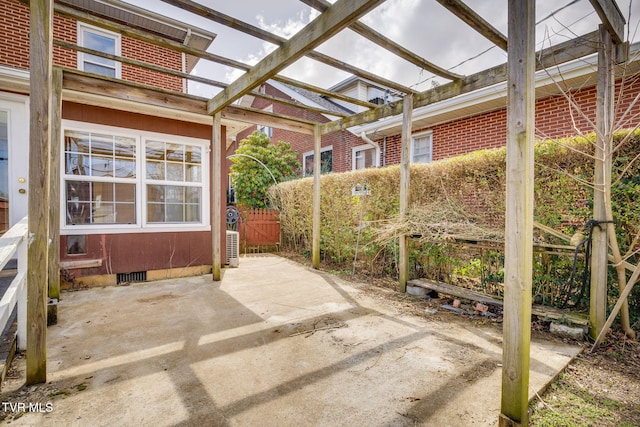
[(257, 163)]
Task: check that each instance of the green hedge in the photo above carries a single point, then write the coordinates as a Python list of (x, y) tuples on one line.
[(474, 182)]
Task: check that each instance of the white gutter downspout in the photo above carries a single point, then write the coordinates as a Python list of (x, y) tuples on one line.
[(366, 139)]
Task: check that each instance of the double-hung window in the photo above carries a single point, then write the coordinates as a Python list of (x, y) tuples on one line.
[(365, 156), (326, 161), (102, 41), (120, 179), (421, 148)]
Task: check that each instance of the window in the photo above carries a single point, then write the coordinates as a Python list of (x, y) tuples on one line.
[(421, 148), (122, 179), (103, 41), (365, 156), (266, 129), (326, 161)]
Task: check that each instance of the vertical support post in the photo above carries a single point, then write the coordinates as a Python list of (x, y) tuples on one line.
[(216, 197), (315, 241), (22, 293), (54, 197), (601, 175), (40, 64), (519, 214), (405, 178)]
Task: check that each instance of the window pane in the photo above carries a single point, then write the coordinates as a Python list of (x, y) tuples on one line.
[(173, 203), (365, 158), (154, 150), (155, 170), (99, 42), (421, 149), (193, 173), (99, 69), (100, 203), (175, 172)]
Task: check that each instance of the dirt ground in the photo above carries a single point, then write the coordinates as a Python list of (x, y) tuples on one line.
[(274, 343)]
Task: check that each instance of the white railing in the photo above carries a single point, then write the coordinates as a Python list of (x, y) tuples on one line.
[(15, 242)]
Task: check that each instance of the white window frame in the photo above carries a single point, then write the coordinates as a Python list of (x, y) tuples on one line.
[(356, 150), (413, 142), (141, 181), (82, 28), (267, 130), (310, 153)]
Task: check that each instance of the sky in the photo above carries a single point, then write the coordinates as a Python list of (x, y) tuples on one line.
[(423, 26)]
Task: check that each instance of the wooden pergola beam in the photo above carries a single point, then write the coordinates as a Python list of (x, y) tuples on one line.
[(324, 92), (80, 81), (145, 36), (265, 118), (611, 18), (475, 21), (554, 55), (338, 16), (385, 42), (192, 77), (246, 28), (169, 44)]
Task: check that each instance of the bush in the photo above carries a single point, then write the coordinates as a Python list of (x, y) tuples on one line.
[(475, 184)]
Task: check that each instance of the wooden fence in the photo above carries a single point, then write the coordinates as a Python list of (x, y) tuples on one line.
[(259, 230), (13, 242)]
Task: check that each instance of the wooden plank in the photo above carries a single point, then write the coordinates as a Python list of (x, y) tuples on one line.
[(611, 17), (518, 265), (616, 308), (216, 198), (341, 65), (53, 275), (40, 66), (140, 64), (265, 118), (246, 28), (558, 54), (393, 47), (76, 80), (144, 36), (315, 238), (476, 22), (323, 92), (191, 77), (338, 16), (536, 310), (405, 187), (601, 173)]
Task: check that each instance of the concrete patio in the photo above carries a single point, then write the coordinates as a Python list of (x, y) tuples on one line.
[(272, 344)]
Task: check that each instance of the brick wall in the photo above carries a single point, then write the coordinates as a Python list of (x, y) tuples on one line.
[(14, 48), (554, 119), (342, 142)]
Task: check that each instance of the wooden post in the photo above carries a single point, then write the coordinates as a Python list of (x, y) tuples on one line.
[(54, 197), (602, 173), (405, 178), (216, 197), (40, 64), (519, 214), (315, 244)]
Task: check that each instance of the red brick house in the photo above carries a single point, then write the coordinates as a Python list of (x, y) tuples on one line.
[(465, 123), (135, 187)]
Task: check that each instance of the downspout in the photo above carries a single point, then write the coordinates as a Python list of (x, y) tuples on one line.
[(384, 151)]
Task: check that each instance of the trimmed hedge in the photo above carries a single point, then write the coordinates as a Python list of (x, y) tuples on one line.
[(474, 182)]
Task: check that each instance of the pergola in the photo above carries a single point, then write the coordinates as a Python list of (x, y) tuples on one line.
[(48, 86)]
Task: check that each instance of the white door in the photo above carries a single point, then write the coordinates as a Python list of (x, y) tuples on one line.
[(14, 159)]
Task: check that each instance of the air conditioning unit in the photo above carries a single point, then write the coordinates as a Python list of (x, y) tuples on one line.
[(233, 248)]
